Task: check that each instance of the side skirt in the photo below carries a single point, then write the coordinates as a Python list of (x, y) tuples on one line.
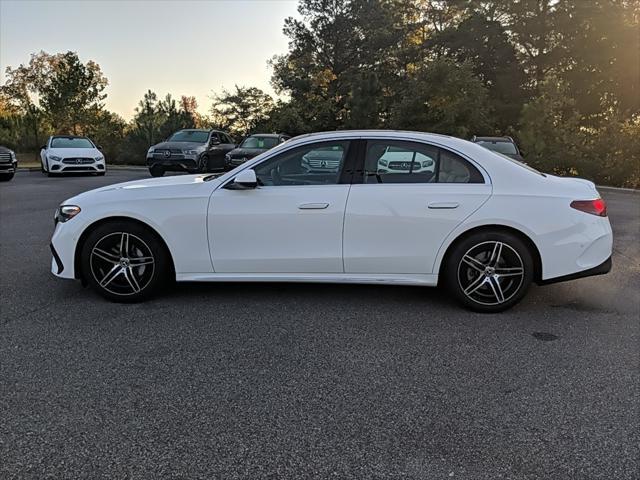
[(427, 280)]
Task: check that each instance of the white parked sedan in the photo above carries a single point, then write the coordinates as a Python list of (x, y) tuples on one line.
[(481, 224), (71, 154)]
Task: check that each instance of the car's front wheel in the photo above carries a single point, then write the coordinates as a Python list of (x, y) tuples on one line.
[(5, 177), (124, 261), (204, 164), (156, 171), (489, 271)]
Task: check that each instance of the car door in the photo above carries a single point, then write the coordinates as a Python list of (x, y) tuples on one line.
[(290, 223), (410, 197), (217, 149)]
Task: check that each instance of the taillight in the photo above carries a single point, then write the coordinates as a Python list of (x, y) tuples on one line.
[(594, 207)]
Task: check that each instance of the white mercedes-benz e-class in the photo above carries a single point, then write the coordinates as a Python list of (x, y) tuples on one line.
[(477, 222)]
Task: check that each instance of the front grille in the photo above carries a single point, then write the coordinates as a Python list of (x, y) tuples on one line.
[(5, 157), (168, 154), (404, 165), (78, 169), (78, 161), (324, 164)]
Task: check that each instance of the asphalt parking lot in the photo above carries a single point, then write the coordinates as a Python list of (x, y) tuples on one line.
[(310, 381)]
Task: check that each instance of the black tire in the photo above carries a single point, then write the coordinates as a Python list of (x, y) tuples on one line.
[(156, 171), (482, 282), (50, 174), (124, 261), (5, 177), (204, 164)]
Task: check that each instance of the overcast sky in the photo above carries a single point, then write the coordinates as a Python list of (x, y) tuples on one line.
[(177, 47)]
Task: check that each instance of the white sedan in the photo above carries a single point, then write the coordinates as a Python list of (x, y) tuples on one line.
[(71, 154), (479, 223)]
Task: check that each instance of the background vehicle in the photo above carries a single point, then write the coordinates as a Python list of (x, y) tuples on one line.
[(504, 145), (190, 150), (480, 223), (400, 160), (8, 164), (253, 145), (71, 154)]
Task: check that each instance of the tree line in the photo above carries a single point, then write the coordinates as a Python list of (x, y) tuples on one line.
[(560, 76)]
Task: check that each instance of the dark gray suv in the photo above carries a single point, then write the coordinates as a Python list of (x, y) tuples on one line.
[(8, 164), (190, 150)]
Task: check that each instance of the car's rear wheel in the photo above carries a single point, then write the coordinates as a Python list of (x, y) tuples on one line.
[(489, 271), (156, 171), (124, 261)]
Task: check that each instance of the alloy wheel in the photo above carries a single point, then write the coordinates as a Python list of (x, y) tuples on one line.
[(122, 263), (491, 273)]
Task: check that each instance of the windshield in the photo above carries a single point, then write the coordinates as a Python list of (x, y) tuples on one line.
[(71, 142), (196, 136), (259, 142), (506, 148)]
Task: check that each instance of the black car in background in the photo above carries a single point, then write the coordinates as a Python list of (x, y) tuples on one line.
[(8, 164), (190, 150), (504, 145), (253, 145)]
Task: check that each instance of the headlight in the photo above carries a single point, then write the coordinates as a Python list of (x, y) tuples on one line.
[(190, 152), (54, 158), (384, 163), (151, 150), (227, 157), (12, 154), (427, 163), (64, 213), (99, 159)]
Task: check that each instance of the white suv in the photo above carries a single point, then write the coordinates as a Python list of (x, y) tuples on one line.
[(71, 154)]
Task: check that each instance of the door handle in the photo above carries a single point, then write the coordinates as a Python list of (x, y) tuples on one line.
[(443, 205), (313, 206)]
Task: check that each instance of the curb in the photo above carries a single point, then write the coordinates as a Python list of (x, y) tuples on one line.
[(618, 189), (109, 167)]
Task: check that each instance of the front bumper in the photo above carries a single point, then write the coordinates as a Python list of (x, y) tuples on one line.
[(8, 167), (67, 167), (186, 164)]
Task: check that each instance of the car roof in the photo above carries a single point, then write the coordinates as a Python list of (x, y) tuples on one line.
[(267, 135), (69, 136), (493, 139)]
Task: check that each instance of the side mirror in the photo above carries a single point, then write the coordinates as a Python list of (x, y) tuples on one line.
[(245, 180), (99, 147), (214, 141)]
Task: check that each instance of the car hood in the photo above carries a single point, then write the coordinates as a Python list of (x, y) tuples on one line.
[(179, 145), (176, 186), (247, 152), (75, 152)]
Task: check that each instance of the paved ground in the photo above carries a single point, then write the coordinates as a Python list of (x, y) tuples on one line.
[(310, 381)]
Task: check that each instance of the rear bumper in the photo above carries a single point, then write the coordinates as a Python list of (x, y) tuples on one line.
[(602, 269)]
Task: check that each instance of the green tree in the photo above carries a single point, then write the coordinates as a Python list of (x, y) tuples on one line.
[(443, 97), (242, 109), (70, 92)]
